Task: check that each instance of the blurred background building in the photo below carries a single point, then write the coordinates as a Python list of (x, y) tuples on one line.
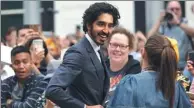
[(62, 17)]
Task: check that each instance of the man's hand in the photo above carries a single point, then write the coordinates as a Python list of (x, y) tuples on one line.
[(8, 103), (162, 15), (192, 103), (37, 57), (28, 36), (95, 106), (175, 20)]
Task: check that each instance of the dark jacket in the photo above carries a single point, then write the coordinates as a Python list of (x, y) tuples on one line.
[(133, 66), (80, 79)]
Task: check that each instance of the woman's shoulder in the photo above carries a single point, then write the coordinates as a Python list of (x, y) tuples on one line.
[(140, 77)]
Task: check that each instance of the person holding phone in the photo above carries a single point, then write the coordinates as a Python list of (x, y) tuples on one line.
[(190, 68), (42, 62), (39, 52), (189, 72)]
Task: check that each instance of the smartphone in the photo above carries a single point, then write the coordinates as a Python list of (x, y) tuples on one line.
[(191, 95), (191, 55), (38, 45)]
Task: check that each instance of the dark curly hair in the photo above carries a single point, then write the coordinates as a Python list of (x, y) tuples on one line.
[(95, 10)]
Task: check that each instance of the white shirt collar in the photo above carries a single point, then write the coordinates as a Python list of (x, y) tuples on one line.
[(94, 45)]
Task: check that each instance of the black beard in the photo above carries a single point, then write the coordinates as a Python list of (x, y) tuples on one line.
[(92, 36)]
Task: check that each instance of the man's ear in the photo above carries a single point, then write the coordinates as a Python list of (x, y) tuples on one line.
[(88, 27)]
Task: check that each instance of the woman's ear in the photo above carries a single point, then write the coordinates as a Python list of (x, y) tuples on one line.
[(142, 51)]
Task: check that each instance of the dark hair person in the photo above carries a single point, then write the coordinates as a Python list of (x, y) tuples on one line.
[(156, 85), (39, 57), (81, 81), (95, 10)]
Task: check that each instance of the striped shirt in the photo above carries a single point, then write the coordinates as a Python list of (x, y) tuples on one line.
[(33, 89)]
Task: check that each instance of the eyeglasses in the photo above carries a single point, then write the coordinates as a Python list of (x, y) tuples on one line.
[(115, 45), (176, 9)]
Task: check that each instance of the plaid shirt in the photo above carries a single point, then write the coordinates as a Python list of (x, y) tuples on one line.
[(34, 87)]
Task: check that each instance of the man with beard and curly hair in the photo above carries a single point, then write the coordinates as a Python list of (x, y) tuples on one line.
[(81, 81)]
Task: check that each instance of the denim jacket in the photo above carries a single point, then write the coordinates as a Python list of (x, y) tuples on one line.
[(139, 91)]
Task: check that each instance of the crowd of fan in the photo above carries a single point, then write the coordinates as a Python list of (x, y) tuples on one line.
[(24, 81)]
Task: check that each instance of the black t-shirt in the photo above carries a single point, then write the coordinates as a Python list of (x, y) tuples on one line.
[(131, 67), (115, 78)]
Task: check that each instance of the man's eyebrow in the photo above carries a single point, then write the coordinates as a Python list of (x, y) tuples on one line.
[(103, 22)]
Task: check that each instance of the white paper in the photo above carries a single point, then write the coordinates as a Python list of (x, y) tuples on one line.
[(6, 54)]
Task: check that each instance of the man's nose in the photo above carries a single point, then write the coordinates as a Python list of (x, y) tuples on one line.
[(21, 65), (118, 47), (106, 29)]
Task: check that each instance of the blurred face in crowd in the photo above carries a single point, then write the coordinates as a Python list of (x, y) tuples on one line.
[(21, 64), (22, 34), (78, 33), (54, 51), (11, 38), (64, 42), (101, 28), (175, 7), (118, 48)]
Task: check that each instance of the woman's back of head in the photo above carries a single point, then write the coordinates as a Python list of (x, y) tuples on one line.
[(163, 58), (158, 48)]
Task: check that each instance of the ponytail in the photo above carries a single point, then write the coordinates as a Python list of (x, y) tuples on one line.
[(163, 55), (167, 74)]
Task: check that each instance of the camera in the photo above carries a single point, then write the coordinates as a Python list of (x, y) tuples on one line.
[(168, 16)]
